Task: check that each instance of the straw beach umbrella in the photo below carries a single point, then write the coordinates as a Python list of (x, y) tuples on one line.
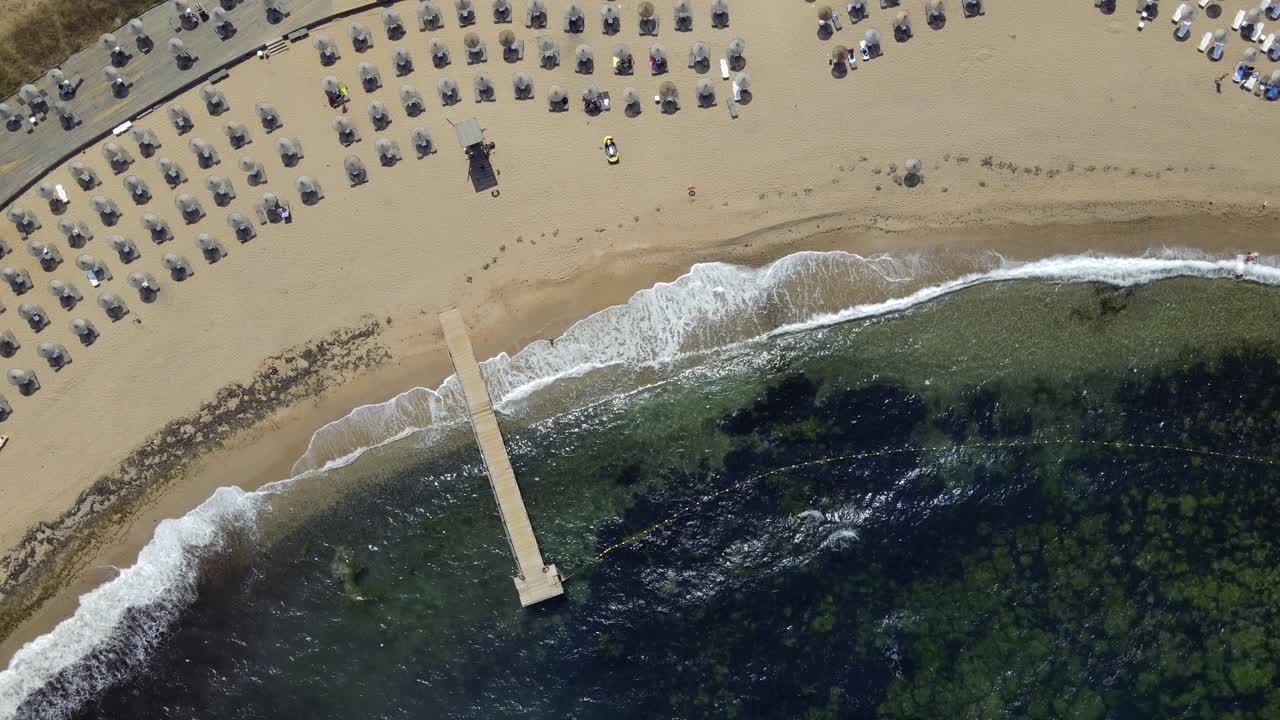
[(189, 207), (706, 93), (171, 172), (1219, 44), (49, 193), (683, 16), (9, 344), (146, 285), (357, 174), (700, 56), (214, 101), (157, 228), (522, 85), (378, 115), (510, 47), (308, 189), (289, 150), (268, 116), (422, 142), (211, 249), (117, 81), (935, 14), (77, 234), (631, 104), (536, 15), (475, 48), (23, 219), (275, 10), (124, 248), (466, 12), (388, 151), (913, 175), (222, 190), (113, 305), (146, 139), (83, 329), (180, 118), (735, 53), (623, 62), (55, 354), (222, 25), (361, 38), (46, 256), (327, 48), (206, 155), (557, 100), (137, 189), (439, 52), (502, 11), (141, 38), (178, 266), (118, 159), (19, 281), (66, 90), (448, 91), (610, 22), (872, 39), (668, 97), (35, 316), (240, 225), (347, 133), (902, 27), (647, 18), (393, 24), (93, 266), (370, 78), (237, 134), (584, 58), (484, 88), (402, 61), (412, 101), (106, 208), (83, 176), (24, 380), (719, 14), (182, 54), (116, 54), (825, 26), (67, 117), (574, 20), (429, 16), (548, 53)]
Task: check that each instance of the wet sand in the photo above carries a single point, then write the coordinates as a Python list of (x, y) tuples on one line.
[(1088, 137)]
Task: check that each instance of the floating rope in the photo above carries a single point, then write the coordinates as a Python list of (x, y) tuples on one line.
[(883, 452)]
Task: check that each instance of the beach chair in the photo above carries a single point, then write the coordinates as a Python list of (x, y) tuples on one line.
[(724, 69), (1205, 41), (1235, 24)]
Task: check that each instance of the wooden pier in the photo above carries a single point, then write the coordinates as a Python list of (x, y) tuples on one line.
[(536, 581)]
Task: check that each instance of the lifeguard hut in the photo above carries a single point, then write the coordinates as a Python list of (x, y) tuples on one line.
[(471, 138)]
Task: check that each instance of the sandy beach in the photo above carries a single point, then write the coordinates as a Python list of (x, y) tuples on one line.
[(1043, 128)]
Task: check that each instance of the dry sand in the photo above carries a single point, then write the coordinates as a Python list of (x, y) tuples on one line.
[(1044, 127)]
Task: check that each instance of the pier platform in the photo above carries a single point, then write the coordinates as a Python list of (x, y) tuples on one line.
[(536, 581)]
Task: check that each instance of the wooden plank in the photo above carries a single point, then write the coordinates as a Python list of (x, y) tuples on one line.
[(536, 581)]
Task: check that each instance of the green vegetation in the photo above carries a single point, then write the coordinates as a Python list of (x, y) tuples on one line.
[(44, 33)]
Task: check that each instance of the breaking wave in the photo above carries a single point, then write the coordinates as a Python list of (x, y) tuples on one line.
[(714, 305)]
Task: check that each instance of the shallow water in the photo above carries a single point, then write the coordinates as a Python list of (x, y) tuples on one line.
[(1020, 554)]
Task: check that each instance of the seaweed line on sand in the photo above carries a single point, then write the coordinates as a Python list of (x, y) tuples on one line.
[(52, 553)]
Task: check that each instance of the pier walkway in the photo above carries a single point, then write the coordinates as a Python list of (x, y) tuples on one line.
[(536, 580)]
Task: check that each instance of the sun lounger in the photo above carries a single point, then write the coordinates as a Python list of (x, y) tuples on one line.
[(1235, 24), (1204, 4), (122, 128), (724, 69), (61, 192), (1251, 83), (835, 20), (1257, 32), (262, 215), (1177, 15), (520, 50), (866, 54), (733, 108), (1239, 75), (604, 101), (93, 279), (1269, 43), (1204, 41)]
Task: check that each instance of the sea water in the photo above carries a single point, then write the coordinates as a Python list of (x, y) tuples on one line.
[(1041, 490)]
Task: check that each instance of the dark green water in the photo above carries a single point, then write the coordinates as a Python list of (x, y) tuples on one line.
[(1050, 578)]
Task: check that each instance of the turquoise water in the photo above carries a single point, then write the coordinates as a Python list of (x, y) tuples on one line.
[(1020, 551)]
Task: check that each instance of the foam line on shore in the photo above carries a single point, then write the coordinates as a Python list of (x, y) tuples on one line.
[(713, 306)]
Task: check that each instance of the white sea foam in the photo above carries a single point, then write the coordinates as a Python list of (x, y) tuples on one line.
[(714, 305)]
